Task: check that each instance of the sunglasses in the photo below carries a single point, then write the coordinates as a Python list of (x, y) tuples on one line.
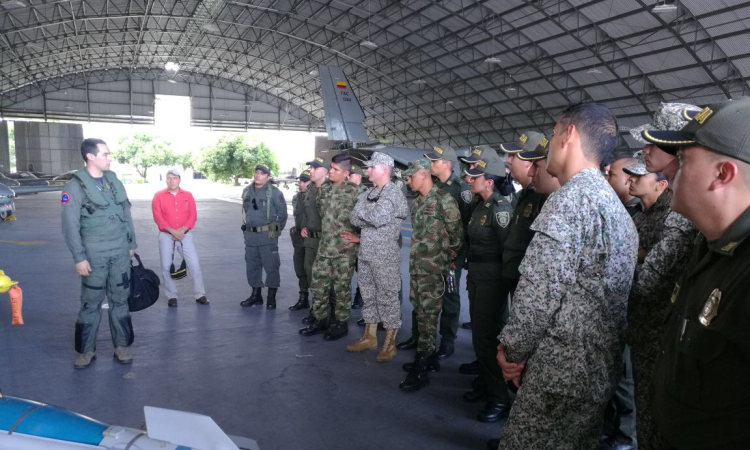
[(255, 205), (376, 198)]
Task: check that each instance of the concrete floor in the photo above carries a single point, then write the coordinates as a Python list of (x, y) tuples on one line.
[(247, 368)]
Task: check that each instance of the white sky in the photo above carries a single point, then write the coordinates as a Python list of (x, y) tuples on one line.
[(172, 114)]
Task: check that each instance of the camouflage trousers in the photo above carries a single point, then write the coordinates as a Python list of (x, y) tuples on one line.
[(379, 284), (541, 420), (332, 274), (426, 296)]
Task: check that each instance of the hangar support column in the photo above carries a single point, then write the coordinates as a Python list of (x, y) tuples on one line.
[(4, 147), (49, 147)]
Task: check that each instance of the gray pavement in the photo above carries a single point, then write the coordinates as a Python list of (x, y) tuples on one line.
[(246, 367)]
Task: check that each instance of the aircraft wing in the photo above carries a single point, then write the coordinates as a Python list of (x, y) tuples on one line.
[(24, 190)]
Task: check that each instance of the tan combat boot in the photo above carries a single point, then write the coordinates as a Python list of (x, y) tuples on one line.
[(367, 342), (389, 347), (84, 360), (122, 355)]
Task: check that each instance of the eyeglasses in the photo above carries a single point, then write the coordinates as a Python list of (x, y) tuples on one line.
[(255, 205)]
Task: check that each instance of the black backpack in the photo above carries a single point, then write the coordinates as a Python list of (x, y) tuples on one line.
[(144, 286)]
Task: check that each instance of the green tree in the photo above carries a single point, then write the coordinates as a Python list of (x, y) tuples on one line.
[(143, 150), (232, 158)]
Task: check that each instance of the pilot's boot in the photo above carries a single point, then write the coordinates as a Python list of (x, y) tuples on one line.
[(271, 301), (256, 298), (84, 360)]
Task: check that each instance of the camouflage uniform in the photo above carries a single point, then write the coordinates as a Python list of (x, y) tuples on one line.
[(437, 231), (487, 233), (461, 192), (634, 207), (334, 263), (298, 242), (379, 213), (668, 238), (569, 316)]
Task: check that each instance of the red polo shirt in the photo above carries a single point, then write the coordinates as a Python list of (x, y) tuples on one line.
[(174, 210)]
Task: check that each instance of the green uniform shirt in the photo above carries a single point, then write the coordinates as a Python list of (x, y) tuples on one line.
[(487, 231), (311, 216), (336, 204), (437, 229), (701, 379)]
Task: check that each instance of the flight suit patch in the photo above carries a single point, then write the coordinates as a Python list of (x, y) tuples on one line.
[(65, 198)]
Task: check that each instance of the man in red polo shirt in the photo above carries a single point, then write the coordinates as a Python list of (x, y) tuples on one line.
[(175, 215)]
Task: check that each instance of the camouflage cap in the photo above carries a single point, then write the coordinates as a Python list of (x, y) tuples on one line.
[(304, 176), (319, 162), (379, 158), (723, 127), (526, 142), (416, 166), (668, 117), (636, 169), (444, 152)]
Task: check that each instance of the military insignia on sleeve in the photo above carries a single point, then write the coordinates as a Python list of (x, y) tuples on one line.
[(503, 218), (466, 196), (482, 220), (65, 198), (527, 210)]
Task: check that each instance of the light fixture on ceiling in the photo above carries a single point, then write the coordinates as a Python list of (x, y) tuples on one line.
[(13, 4), (171, 81), (509, 89), (664, 7), (368, 44), (449, 102), (313, 72), (172, 67), (493, 60), (33, 46), (419, 81), (68, 107), (149, 112), (211, 26), (593, 71)]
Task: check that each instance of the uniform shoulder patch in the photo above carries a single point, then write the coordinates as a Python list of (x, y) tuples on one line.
[(466, 196), (503, 218), (65, 198)]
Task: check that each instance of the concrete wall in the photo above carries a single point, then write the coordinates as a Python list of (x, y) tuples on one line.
[(52, 148), (4, 149)]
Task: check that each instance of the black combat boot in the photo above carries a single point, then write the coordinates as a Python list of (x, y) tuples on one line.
[(302, 302), (417, 376), (318, 326), (409, 344), (309, 319), (357, 303), (256, 298), (271, 302), (433, 364), (337, 329)]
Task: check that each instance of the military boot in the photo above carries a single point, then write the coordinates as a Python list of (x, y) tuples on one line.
[(302, 302), (271, 302), (336, 330), (369, 341), (388, 352), (417, 376), (84, 360), (122, 355), (256, 298), (318, 326), (409, 344), (433, 363), (357, 303), (309, 318)]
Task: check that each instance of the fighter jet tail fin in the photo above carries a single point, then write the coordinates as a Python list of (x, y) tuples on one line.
[(187, 429), (343, 113)]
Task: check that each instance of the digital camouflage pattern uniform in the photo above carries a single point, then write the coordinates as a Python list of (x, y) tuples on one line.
[(569, 316), (298, 242), (437, 230), (379, 214), (334, 264), (668, 239), (262, 251), (98, 228)]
